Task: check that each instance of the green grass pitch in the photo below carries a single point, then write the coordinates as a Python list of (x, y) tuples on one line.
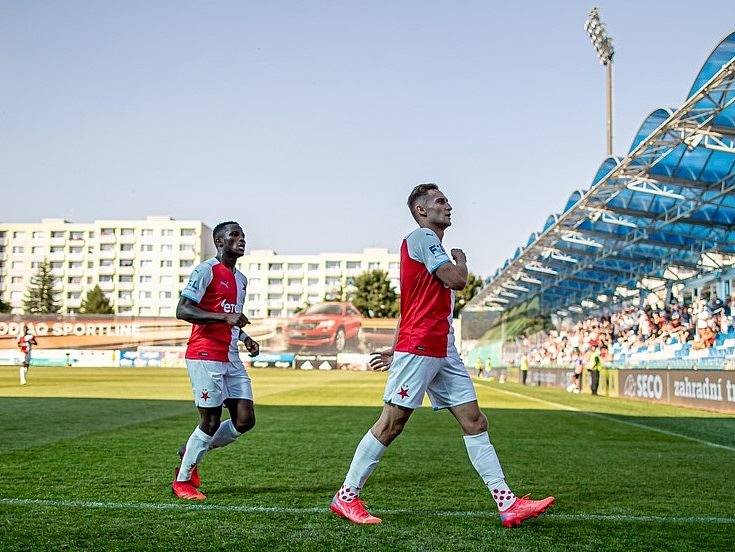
[(87, 457)]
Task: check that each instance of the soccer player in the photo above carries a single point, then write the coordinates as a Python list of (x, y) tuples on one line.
[(26, 341), (424, 360), (212, 301)]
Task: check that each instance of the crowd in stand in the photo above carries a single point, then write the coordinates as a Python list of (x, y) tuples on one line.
[(634, 329)]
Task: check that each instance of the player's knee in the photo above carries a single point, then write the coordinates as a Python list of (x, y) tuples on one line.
[(245, 424), (476, 425), (209, 425)]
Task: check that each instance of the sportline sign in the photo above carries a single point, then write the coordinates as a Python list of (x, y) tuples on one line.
[(706, 389), (70, 328)]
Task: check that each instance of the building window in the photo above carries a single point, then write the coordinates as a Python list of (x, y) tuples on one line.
[(167, 232), (373, 266), (90, 264), (186, 263), (165, 295), (76, 250), (274, 296), (18, 249), (294, 297), (275, 313), (295, 266), (57, 265), (146, 247), (126, 262), (38, 234), (125, 279), (16, 279), (105, 247), (353, 265), (294, 281), (332, 264), (186, 247), (167, 248), (75, 264), (73, 295), (275, 281), (74, 280), (254, 266), (19, 235), (127, 232), (145, 295), (313, 281), (253, 296), (17, 265), (146, 263), (275, 267), (183, 279), (187, 232), (36, 250), (124, 295), (105, 263), (76, 235), (145, 279), (313, 266), (167, 264), (146, 232), (107, 232), (126, 247), (105, 278)]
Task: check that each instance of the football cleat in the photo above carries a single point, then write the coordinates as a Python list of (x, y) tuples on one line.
[(524, 508), (195, 478), (187, 491), (354, 511)]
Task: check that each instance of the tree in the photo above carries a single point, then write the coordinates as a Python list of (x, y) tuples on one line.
[(4, 307), (461, 298), (40, 296), (96, 302), (374, 297)]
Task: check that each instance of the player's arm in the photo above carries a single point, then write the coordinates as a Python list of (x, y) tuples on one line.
[(454, 275), (190, 311), (251, 345)]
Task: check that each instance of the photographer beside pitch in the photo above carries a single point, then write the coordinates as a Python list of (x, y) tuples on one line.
[(213, 301), (425, 360)]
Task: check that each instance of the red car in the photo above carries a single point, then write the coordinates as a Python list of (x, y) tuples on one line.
[(324, 325)]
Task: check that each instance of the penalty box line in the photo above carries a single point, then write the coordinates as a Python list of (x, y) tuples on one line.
[(568, 408), (184, 507)]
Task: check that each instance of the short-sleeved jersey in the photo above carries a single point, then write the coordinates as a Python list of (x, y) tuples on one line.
[(426, 303), (25, 342), (215, 288)]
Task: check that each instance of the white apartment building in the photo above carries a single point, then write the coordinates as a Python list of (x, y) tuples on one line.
[(141, 265), (280, 284)]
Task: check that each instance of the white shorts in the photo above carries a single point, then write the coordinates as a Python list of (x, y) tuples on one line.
[(445, 380), (213, 382)]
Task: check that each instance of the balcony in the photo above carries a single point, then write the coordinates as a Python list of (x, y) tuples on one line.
[(59, 256), (272, 304), (57, 241), (126, 270), (75, 257), (108, 238), (275, 289), (76, 242), (73, 287), (79, 271), (73, 302), (107, 286), (107, 270), (295, 289), (125, 285), (124, 301)]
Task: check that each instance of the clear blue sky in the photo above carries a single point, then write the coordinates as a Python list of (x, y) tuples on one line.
[(310, 121)]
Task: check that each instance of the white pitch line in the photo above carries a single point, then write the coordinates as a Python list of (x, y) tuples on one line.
[(614, 419), (187, 507)]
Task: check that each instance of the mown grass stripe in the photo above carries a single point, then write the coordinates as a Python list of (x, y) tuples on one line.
[(639, 425), (181, 506)]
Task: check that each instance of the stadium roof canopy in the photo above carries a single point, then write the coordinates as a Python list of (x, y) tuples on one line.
[(664, 210)]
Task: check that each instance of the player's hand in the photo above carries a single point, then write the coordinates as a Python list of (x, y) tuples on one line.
[(380, 360), (459, 256), (252, 346), (235, 319)]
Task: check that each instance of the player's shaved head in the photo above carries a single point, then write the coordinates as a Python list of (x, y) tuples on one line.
[(418, 196), (219, 230)]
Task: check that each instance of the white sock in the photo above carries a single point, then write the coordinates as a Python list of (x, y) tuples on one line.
[(366, 458), (225, 434), (23, 375), (196, 447), (485, 460)]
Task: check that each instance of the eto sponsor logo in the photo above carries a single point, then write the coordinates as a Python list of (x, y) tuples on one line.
[(230, 307), (644, 386)]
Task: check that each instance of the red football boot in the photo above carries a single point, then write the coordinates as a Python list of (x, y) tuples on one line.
[(195, 479), (354, 511), (187, 491), (524, 508)]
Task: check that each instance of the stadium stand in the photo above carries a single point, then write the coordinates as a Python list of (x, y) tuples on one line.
[(651, 221)]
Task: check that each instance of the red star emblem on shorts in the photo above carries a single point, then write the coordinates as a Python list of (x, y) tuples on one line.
[(205, 395), (403, 392)]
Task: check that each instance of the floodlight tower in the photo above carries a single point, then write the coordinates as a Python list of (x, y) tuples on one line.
[(605, 51)]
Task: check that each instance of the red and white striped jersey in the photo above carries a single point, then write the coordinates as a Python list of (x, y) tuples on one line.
[(426, 303), (216, 289)]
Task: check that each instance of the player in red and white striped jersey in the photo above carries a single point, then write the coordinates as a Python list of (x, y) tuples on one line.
[(25, 344), (213, 302), (423, 361)]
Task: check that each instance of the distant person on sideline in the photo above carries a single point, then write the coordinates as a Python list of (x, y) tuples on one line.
[(424, 360), (213, 302), (26, 341)]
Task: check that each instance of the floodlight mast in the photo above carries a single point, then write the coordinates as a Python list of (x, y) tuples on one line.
[(603, 45)]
